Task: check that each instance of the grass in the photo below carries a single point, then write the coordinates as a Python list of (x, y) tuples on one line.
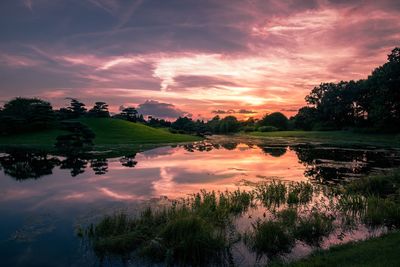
[(334, 137), (382, 185), (114, 131), (270, 238), (381, 251), (109, 133), (42, 138), (312, 228)]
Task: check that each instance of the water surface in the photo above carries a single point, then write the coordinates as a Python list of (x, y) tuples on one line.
[(44, 197)]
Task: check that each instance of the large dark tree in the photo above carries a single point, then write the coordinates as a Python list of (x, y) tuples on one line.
[(229, 124), (305, 119), (373, 103), (382, 93), (26, 114), (275, 119)]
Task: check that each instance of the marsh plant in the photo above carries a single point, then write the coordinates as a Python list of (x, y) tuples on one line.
[(191, 231), (202, 229)]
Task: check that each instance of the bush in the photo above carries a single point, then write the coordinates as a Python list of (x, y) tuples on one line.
[(267, 129)]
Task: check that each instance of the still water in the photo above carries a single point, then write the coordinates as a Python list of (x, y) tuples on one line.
[(43, 198)]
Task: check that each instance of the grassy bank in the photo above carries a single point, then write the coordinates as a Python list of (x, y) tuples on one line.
[(109, 132), (333, 137), (380, 251)]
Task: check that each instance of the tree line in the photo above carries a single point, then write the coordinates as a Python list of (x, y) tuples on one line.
[(21, 115), (371, 104)]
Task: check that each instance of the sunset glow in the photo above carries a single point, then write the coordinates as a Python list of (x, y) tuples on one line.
[(196, 56)]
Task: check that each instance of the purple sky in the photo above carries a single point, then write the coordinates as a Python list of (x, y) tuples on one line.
[(190, 57)]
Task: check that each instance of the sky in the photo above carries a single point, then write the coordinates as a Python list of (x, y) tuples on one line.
[(196, 58)]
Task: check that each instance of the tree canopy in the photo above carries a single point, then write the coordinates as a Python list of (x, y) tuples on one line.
[(373, 103), (276, 119), (22, 114)]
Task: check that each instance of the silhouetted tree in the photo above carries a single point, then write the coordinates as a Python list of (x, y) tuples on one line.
[(275, 119), (78, 108), (305, 119), (129, 114), (26, 114), (229, 124), (99, 110), (372, 103)]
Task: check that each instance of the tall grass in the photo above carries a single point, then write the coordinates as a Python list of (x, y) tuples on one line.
[(313, 228), (200, 229), (270, 238)]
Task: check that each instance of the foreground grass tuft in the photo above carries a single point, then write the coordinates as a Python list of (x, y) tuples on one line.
[(270, 238)]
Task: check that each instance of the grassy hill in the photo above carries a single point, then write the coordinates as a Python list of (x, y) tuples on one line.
[(108, 132), (114, 131)]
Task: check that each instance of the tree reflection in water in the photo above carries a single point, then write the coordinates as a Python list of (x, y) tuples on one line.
[(75, 164), (275, 151), (24, 165), (99, 166), (329, 165), (128, 161), (324, 165)]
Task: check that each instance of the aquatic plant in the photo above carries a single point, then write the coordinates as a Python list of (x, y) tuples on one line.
[(351, 204), (312, 228), (271, 194), (191, 240), (288, 217), (189, 232), (382, 185), (200, 230), (380, 211), (269, 237), (299, 193)]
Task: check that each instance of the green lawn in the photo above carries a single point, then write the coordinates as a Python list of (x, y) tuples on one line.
[(42, 138), (333, 137), (108, 132), (114, 131), (381, 251)]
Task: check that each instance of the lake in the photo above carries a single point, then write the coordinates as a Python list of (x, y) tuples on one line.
[(43, 198)]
